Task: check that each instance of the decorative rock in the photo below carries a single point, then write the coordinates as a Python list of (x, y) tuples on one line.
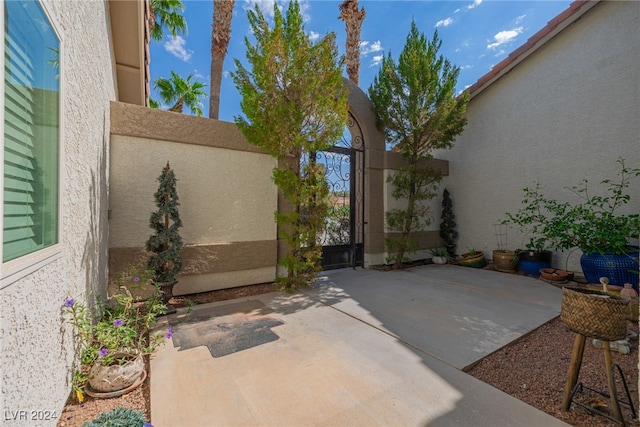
[(628, 291), (621, 346)]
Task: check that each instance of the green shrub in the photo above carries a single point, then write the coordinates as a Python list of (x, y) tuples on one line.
[(119, 417)]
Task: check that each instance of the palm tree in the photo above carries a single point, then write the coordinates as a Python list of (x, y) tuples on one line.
[(166, 14), (181, 92), (353, 18), (220, 36)]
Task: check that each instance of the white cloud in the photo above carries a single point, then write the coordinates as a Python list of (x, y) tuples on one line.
[(176, 47), (304, 10), (519, 19), (444, 22), (504, 37), (464, 45), (475, 4), (266, 6), (376, 60), (367, 48), (313, 36)]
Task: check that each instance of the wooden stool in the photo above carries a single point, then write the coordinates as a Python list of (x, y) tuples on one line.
[(598, 315)]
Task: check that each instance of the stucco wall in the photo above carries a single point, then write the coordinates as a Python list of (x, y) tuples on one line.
[(227, 196), (430, 237), (37, 350), (566, 113)]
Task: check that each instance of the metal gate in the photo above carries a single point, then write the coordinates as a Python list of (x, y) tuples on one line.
[(342, 239)]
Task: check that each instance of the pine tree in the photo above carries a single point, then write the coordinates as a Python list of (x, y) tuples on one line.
[(417, 109), (295, 104)]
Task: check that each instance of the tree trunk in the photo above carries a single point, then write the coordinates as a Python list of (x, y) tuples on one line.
[(353, 18), (408, 218), (220, 36), (177, 108)]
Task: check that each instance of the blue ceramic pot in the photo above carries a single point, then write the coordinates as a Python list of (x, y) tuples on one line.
[(530, 262), (619, 269)]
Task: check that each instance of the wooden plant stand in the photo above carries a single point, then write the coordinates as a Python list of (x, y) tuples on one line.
[(602, 316)]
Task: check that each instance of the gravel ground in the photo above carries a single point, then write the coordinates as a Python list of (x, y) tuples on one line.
[(533, 369)]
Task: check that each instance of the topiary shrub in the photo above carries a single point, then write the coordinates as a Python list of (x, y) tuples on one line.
[(448, 231)]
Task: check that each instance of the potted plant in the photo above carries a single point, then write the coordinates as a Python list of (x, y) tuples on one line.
[(472, 258), (439, 256), (111, 339), (503, 259), (592, 223), (165, 244), (533, 223)]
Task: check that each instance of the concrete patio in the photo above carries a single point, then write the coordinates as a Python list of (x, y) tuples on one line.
[(361, 347)]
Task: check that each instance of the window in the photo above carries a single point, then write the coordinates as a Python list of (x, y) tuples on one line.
[(31, 144)]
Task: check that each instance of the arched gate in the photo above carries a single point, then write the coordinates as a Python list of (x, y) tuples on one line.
[(342, 239)]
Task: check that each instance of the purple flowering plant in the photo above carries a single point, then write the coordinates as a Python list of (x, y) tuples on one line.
[(113, 332), (135, 277)]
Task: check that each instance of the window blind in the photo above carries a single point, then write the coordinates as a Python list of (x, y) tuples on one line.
[(30, 135)]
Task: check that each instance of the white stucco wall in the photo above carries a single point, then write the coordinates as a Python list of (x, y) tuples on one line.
[(37, 350), (564, 114)]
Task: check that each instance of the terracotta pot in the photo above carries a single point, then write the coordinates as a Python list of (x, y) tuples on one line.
[(554, 274), (116, 377), (505, 261)]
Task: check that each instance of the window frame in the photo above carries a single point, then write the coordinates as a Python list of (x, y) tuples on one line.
[(16, 269)]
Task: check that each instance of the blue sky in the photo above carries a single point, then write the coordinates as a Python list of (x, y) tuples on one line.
[(475, 34)]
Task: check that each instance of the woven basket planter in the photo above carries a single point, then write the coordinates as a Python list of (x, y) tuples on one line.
[(594, 314)]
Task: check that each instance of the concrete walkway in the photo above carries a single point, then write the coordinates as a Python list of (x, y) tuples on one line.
[(360, 348)]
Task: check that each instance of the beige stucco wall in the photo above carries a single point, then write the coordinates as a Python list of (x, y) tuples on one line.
[(36, 350), (227, 196), (361, 109), (566, 113), (429, 237)]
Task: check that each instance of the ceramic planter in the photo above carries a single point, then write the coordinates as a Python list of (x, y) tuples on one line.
[(112, 378), (619, 269), (505, 261), (530, 262), (475, 260), (439, 260)]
